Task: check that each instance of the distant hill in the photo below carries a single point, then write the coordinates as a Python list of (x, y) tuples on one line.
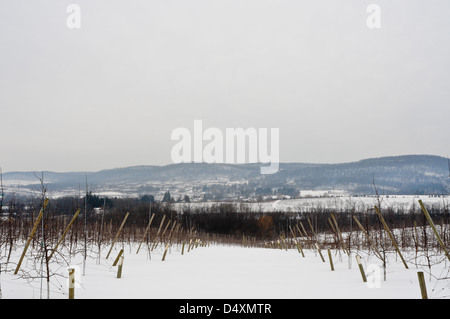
[(409, 175)]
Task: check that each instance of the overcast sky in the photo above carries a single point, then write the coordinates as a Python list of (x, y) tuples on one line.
[(109, 94)]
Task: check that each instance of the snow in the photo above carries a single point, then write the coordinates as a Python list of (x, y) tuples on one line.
[(339, 203), (219, 271)]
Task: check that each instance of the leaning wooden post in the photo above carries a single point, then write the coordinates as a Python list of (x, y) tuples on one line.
[(423, 288), (341, 238), (36, 223), (145, 233), (169, 239), (165, 228), (427, 215), (304, 230), (312, 229), (117, 235), (165, 252), (190, 244), (368, 238), (157, 234), (71, 283), (118, 257), (299, 247), (119, 268), (160, 225), (320, 253), (331, 259), (361, 268), (391, 236), (65, 232)]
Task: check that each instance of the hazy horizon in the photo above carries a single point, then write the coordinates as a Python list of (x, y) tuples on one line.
[(258, 163)]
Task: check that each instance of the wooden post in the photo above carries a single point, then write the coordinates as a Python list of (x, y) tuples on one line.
[(145, 233), (341, 238), (157, 234), (169, 239), (71, 283), (118, 257), (304, 230), (331, 260), (36, 223), (427, 215), (117, 235), (165, 228), (423, 288), (196, 242), (299, 247), (190, 244), (300, 232), (119, 268), (391, 236), (361, 268), (312, 229), (367, 236), (65, 232), (320, 253), (165, 252), (160, 225)]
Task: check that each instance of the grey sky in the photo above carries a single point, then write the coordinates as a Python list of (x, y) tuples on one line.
[(110, 93)]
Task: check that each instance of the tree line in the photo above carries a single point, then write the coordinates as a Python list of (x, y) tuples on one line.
[(231, 219)]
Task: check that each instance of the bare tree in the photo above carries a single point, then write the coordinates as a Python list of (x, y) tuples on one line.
[(382, 241), (44, 246)]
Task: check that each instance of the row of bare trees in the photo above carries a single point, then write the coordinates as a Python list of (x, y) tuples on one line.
[(100, 224)]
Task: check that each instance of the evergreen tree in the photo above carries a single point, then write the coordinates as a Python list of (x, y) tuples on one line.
[(167, 197)]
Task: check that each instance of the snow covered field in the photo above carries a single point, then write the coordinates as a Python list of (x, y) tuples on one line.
[(345, 202), (227, 272)]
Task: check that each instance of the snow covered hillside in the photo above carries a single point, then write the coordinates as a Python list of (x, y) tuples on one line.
[(338, 203)]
